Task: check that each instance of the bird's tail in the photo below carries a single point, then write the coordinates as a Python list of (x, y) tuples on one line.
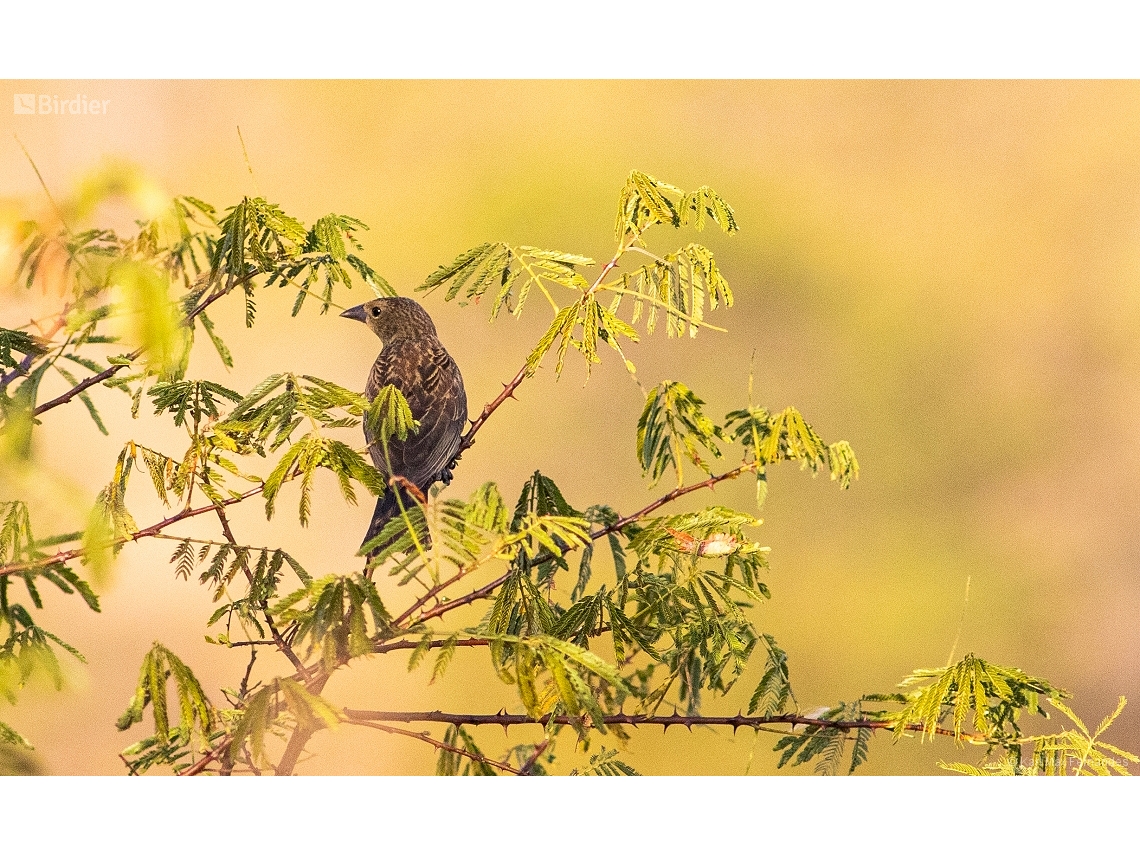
[(388, 509)]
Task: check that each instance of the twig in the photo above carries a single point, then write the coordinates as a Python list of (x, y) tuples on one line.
[(243, 689), (490, 587), (84, 385), (672, 495), (248, 166), (437, 589), (477, 594), (282, 645), (43, 184), (612, 263), (443, 746), (214, 753), (150, 531), (26, 363), (488, 409), (389, 646), (528, 766)]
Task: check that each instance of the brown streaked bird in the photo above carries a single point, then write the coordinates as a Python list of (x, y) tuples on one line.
[(414, 361)]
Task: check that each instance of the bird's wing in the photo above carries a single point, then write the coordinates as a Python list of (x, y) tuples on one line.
[(430, 380)]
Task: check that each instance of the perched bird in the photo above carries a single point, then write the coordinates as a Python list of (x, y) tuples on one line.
[(414, 361)]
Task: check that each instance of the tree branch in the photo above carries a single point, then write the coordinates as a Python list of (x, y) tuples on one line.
[(84, 385), (490, 587), (389, 646), (673, 495), (149, 531), (477, 594), (506, 720), (206, 759), (489, 409), (528, 766), (105, 374)]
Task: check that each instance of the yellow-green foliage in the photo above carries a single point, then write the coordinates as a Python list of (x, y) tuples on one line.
[(674, 617), (1070, 752), (989, 698)]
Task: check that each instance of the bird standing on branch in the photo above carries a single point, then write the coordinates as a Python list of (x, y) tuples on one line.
[(415, 362)]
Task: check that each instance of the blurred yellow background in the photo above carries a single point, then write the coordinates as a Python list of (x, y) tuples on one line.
[(944, 273)]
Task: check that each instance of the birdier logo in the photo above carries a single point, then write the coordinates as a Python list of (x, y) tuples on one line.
[(54, 105)]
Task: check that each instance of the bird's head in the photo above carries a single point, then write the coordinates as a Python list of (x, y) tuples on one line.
[(393, 318)]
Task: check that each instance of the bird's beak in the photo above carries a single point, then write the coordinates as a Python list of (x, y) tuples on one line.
[(356, 313)]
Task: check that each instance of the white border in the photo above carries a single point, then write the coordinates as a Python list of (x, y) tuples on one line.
[(583, 39)]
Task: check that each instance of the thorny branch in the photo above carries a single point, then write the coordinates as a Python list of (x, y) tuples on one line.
[(149, 531), (506, 720), (489, 409), (84, 385)]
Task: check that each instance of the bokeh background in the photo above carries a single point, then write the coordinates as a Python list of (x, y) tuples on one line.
[(944, 273)]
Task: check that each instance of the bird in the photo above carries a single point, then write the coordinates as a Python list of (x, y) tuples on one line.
[(412, 359)]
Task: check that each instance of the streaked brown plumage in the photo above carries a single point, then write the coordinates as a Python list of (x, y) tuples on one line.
[(415, 362)]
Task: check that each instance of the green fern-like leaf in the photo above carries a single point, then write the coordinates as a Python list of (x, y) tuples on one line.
[(672, 428)]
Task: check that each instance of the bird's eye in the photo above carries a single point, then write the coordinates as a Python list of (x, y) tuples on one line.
[(375, 311)]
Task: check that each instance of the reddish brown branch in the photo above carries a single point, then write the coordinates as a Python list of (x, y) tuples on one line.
[(488, 409), (709, 483), (83, 386), (149, 531), (214, 753), (477, 594), (107, 373), (492, 586), (528, 766), (407, 644), (506, 720)]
